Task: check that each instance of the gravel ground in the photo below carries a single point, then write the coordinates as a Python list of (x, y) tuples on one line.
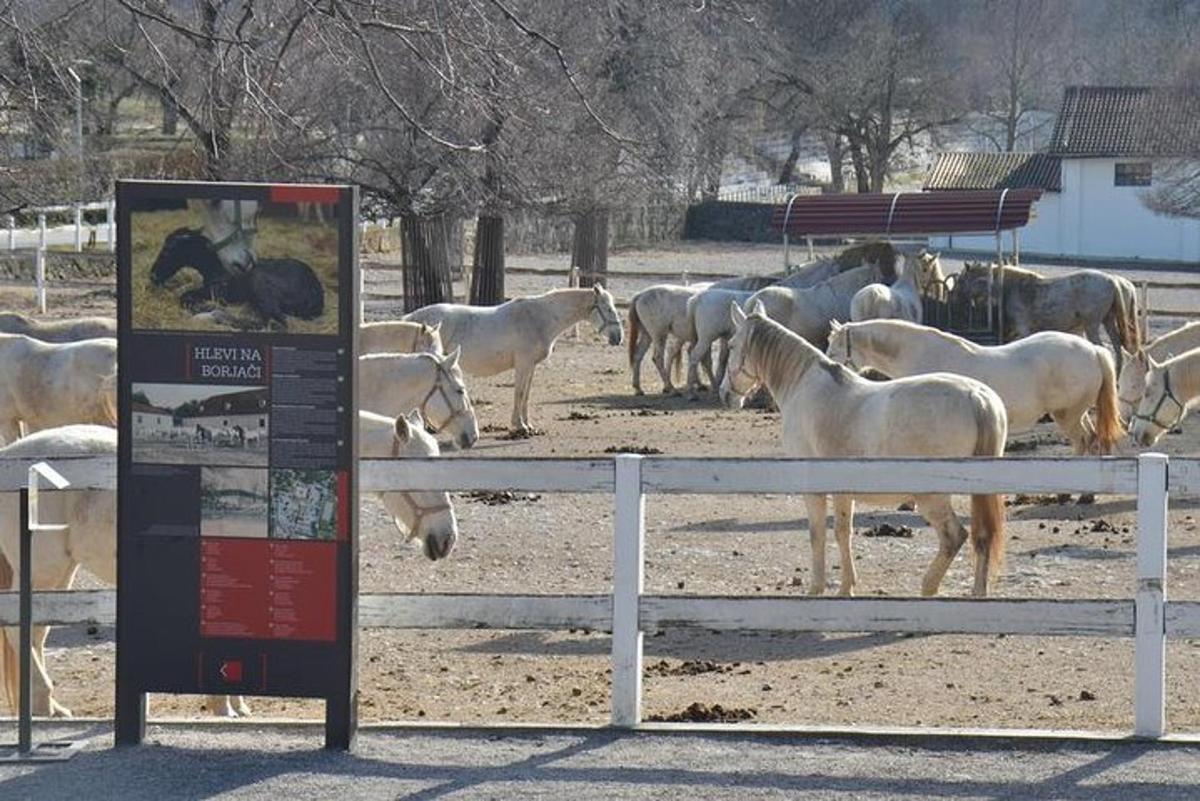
[(741, 545), (246, 763)]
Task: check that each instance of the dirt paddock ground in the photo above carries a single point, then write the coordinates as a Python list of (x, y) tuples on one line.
[(736, 545)]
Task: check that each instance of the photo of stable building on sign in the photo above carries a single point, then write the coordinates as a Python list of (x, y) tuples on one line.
[(200, 424)]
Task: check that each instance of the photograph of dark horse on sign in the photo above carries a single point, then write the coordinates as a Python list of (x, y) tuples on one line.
[(235, 265)]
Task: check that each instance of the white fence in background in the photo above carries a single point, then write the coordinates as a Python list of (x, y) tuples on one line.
[(40, 238), (628, 611)]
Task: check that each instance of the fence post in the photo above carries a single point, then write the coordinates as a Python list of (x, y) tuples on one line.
[(1150, 636), (41, 232), (112, 226), (629, 531), (12, 232), (78, 228), (39, 266)]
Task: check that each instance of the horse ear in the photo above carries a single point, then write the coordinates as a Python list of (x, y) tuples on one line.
[(1150, 363), (736, 314), (436, 327), (758, 308), (834, 326), (403, 429), (451, 361), (597, 289)]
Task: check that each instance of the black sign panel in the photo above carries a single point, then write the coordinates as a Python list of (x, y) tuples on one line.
[(237, 547)]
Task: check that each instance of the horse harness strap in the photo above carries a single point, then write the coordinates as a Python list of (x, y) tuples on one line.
[(419, 511), (437, 387), (237, 234), (1152, 418)]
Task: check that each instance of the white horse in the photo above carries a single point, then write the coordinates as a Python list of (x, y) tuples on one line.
[(831, 412), (902, 300), (708, 322), (400, 337), (231, 226), (70, 330), (1050, 372), (49, 384), (396, 383), (808, 311), (1131, 384), (89, 541), (1172, 388), (520, 334), (657, 314), (424, 516)]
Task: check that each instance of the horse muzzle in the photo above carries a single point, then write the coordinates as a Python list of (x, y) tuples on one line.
[(615, 337), (439, 544)]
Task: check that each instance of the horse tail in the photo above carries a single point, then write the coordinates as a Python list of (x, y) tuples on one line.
[(8, 649), (987, 511), (108, 398), (1108, 417), (1125, 307), (635, 326)]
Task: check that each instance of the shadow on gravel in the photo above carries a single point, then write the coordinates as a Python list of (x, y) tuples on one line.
[(424, 766)]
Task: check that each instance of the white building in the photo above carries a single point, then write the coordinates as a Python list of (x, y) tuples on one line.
[(245, 408), (149, 421), (1104, 154)]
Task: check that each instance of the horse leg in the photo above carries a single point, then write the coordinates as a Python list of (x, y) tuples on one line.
[(660, 363), (951, 536), (722, 364), (843, 527), (521, 385), (674, 358), (695, 357), (1074, 423), (816, 505), (221, 706), (639, 353), (707, 363), (1114, 336)]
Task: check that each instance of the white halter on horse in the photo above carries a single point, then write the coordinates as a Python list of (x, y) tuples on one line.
[(1131, 384), (830, 412), (231, 226), (1172, 388), (396, 383)]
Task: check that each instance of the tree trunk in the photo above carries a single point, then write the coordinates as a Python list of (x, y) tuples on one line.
[(862, 174), (589, 253), (487, 266), (836, 153), (425, 261), (786, 173), (170, 116)]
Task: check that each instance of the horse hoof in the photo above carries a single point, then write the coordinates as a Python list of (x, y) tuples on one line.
[(815, 590), (243, 709), (638, 391), (57, 710), (1087, 499)]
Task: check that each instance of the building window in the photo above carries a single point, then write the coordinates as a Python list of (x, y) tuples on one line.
[(1132, 173), (139, 418), (262, 422)]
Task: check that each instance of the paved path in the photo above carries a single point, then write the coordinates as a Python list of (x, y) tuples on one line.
[(206, 762)]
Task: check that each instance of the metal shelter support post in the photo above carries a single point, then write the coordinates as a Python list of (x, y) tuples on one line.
[(787, 215), (54, 751)]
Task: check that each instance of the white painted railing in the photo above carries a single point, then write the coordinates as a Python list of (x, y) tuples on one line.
[(40, 238), (628, 612)]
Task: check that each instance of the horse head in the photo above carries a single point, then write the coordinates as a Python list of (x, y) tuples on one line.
[(1131, 383), (231, 226), (974, 281), (447, 406), (184, 247), (427, 516), (604, 315), (1160, 409), (739, 381)]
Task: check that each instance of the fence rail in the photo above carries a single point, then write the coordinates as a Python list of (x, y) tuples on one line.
[(628, 612)]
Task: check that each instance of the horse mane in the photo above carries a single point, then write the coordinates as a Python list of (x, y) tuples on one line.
[(784, 357), (876, 252)]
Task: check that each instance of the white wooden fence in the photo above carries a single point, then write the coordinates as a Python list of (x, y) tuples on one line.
[(41, 237), (628, 611)]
